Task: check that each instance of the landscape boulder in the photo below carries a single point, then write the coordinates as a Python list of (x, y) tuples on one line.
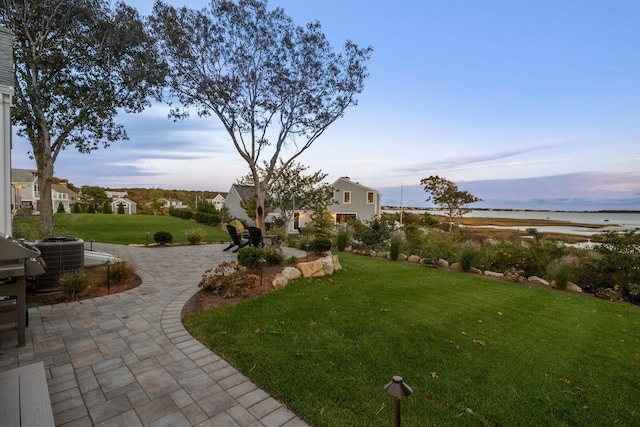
[(494, 274), (443, 263), (402, 257), (413, 258), (573, 287), (283, 278), (538, 280), (456, 266)]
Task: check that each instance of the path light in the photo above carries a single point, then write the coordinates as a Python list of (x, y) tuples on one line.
[(306, 246), (147, 244), (109, 274), (91, 244), (262, 261), (398, 389)]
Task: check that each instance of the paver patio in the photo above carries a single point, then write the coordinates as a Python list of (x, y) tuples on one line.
[(126, 359)]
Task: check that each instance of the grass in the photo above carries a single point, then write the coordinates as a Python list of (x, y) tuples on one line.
[(327, 347), (124, 229)]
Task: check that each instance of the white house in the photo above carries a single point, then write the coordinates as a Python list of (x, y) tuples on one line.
[(130, 207), (173, 203), (115, 195), (218, 202), (25, 194)]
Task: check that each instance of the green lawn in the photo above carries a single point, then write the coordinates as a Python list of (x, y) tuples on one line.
[(124, 229), (327, 347)]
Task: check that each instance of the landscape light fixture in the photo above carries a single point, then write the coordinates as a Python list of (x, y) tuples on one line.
[(91, 244), (109, 274), (398, 389), (147, 244), (262, 261)]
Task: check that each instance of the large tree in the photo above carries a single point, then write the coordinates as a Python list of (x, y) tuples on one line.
[(274, 86), (446, 195), (78, 63)]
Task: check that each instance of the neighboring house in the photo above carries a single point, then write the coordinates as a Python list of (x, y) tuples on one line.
[(218, 202), (60, 194), (354, 200), (25, 194), (173, 203), (115, 195), (130, 207), (238, 193)]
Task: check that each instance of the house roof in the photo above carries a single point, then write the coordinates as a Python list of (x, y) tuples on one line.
[(62, 189), (244, 191), (347, 179), (23, 175)]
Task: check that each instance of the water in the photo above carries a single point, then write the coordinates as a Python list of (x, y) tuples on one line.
[(608, 221)]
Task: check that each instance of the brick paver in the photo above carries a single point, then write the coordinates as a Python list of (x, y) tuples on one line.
[(126, 359)]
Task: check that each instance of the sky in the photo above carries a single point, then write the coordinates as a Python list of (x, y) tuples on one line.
[(525, 104)]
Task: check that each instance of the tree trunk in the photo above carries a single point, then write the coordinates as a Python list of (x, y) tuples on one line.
[(260, 209), (44, 163)]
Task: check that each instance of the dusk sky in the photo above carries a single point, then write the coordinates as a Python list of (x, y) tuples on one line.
[(526, 104)]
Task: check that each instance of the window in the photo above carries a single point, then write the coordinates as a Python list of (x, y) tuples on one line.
[(369, 197), (347, 197)]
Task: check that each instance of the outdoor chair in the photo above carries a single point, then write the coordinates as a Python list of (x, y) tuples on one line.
[(236, 239), (255, 237)]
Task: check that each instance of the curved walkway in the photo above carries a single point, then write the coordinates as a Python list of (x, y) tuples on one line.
[(126, 360)]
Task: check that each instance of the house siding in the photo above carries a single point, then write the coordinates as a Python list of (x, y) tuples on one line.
[(358, 204)]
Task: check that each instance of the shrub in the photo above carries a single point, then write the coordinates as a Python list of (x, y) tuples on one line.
[(228, 280), (394, 249), (120, 209), (162, 237), (342, 240), (60, 208), (186, 214), (250, 257), (194, 235), (292, 259), (320, 245), (274, 257), (120, 272), (560, 273), (76, 208), (468, 256), (106, 207), (91, 208), (74, 283)]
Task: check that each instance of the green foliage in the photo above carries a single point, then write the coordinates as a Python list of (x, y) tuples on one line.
[(428, 220), (274, 256), (250, 257), (320, 245), (60, 208), (292, 260), (163, 237), (343, 240), (228, 280), (106, 207), (616, 261), (76, 208), (468, 256), (120, 272), (29, 229), (373, 234), (432, 244), (323, 221), (91, 208), (531, 257), (120, 209), (560, 273), (394, 249), (194, 235), (208, 218), (74, 283)]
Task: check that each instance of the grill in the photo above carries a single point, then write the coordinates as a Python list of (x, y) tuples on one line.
[(18, 259)]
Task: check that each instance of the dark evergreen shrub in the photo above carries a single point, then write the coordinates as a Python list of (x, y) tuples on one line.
[(163, 237)]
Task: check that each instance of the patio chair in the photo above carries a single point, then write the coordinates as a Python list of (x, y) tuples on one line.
[(236, 239), (255, 237)]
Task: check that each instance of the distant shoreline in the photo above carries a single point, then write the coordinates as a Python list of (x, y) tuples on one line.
[(623, 211)]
